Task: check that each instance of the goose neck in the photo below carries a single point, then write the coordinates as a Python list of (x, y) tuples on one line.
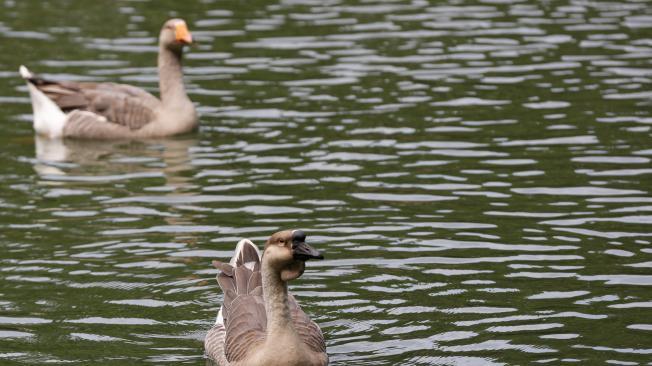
[(275, 294), (171, 75)]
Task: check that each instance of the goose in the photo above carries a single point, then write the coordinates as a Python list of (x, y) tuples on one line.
[(260, 323), (117, 111)]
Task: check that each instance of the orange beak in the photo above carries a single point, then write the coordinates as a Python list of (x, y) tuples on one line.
[(182, 34)]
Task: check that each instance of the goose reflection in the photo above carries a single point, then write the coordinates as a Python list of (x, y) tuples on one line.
[(67, 160)]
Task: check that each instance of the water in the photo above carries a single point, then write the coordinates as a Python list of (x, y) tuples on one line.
[(477, 174)]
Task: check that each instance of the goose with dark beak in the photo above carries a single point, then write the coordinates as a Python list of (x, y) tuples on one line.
[(260, 323)]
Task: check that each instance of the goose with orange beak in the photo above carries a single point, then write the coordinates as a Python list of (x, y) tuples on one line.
[(118, 111)]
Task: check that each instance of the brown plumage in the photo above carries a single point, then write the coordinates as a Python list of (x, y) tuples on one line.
[(260, 323), (115, 111)]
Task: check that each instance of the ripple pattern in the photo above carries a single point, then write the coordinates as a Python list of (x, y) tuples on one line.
[(477, 174)]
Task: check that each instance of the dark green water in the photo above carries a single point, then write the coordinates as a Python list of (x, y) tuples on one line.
[(477, 174)]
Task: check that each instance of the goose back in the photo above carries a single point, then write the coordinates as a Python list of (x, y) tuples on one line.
[(120, 104)]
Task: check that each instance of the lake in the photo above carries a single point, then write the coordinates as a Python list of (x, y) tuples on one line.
[(476, 173)]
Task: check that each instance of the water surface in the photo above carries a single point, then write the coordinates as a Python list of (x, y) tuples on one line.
[(477, 174)]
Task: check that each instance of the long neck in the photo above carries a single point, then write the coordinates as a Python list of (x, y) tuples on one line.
[(275, 293), (171, 75)]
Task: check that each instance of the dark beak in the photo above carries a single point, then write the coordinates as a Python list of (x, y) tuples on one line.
[(301, 250)]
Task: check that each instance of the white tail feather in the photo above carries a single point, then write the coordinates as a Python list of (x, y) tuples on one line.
[(49, 119), (24, 72)]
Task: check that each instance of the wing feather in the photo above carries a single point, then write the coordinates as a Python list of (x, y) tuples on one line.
[(92, 125), (242, 275), (255, 282), (243, 309), (308, 330), (120, 104), (214, 344), (245, 326)]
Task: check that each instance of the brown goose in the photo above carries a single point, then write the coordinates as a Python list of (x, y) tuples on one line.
[(117, 111), (260, 323)]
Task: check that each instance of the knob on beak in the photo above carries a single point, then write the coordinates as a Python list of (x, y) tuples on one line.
[(301, 250)]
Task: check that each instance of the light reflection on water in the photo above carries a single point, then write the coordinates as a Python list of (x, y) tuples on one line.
[(476, 173)]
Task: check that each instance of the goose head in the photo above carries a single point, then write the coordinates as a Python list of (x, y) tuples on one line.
[(287, 252), (174, 34)]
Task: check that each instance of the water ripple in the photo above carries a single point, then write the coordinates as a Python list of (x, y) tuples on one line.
[(475, 173)]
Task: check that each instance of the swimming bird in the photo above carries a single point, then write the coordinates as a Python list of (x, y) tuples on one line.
[(260, 323), (117, 111)]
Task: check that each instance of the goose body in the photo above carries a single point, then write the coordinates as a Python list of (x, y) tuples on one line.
[(260, 323), (117, 111)]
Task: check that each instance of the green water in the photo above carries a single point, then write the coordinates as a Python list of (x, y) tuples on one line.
[(477, 174)]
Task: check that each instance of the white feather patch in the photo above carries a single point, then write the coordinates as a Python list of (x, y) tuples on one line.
[(250, 265), (24, 72), (49, 119), (220, 319)]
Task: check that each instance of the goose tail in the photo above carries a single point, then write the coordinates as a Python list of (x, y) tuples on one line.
[(49, 119), (237, 276), (246, 254), (25, 73)]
